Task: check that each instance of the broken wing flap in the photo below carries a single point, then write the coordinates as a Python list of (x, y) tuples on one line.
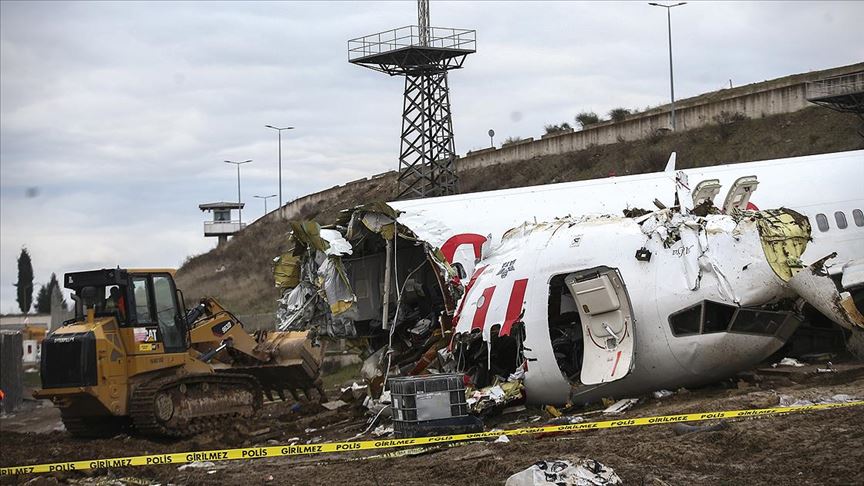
[(817, 288)]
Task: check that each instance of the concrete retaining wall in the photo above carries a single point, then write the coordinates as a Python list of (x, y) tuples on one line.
[(778, 96)]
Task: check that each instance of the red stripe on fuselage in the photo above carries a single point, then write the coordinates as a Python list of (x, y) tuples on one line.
[(514, 307), (477, 273), (483, 309)]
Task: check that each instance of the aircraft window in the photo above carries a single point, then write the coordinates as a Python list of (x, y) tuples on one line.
[(686, 322), (858, 217), (822, 222), (840, 218), (757, 322), (717, 317)]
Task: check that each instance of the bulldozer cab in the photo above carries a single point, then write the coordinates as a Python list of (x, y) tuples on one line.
[(144, 301)]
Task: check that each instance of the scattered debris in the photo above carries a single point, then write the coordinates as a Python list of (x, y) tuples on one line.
[(382, 430), (789, 362), (197, 465), (790, 401), (621, 406), (502, 439), (566, 420), (493, 397), (334, 404), (587, 473), (553, 411), (353, 392), (662, 393)]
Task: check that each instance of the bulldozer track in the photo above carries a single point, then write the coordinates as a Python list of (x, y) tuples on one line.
[(194, 403)]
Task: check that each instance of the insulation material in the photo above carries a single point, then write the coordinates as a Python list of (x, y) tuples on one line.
[(784, 234), (286, 271), (338, 245), (333, 280)]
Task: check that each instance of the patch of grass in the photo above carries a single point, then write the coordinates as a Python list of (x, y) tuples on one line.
[(342, 375)]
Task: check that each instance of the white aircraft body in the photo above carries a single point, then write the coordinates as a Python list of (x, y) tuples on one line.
[(813, 185), (596, 306)]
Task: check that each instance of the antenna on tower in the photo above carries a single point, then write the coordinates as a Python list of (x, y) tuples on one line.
[(423, 55)]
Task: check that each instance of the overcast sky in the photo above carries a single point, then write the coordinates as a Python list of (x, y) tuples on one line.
[(115, 117)]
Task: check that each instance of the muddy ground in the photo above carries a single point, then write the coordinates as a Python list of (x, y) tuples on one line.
[(823, 447)]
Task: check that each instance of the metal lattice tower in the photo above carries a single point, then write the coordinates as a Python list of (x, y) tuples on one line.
[(423, 55)]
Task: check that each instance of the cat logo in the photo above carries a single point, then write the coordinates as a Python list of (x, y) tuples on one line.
[(222, 328)]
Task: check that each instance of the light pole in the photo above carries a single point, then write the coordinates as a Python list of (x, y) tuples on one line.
[(239, 203), (669, 26), (265, 198), (280, 157)]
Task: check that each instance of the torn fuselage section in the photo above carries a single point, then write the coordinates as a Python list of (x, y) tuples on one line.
[(838, 297), (372, 282), (594, 319)]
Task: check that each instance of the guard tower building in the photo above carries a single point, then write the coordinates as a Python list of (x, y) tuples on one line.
[(422, 55), (223, 224)]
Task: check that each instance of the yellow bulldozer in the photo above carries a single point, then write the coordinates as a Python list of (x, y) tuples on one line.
[(134, 357)]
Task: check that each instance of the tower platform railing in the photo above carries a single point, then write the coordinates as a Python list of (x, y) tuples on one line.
[(409, 36)]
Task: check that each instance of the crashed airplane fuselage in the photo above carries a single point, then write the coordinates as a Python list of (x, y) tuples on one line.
[(604, 306), (670, 298)]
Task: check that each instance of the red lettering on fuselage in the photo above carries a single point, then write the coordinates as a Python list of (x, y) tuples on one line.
[(449, 247), (514, 307)]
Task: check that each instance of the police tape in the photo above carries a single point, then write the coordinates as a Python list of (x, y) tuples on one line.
[(339, 447)]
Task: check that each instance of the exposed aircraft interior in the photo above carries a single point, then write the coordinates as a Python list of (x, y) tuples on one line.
[(565, 329)]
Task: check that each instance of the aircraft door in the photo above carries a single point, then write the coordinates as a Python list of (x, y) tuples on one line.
[(706, 190), (739, 194), (607, 324)]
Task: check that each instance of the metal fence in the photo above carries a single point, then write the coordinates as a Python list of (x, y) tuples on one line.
[(836, 86)]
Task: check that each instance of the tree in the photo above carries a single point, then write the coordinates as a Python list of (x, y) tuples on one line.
[(587, 118), (619, 114), (25, 281), (553, 129), (43, 297)]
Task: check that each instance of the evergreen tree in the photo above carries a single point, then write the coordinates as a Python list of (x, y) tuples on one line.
[(43, 298), (25, 281)]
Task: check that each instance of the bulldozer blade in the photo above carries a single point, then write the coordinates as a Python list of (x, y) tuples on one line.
[(294, 364)]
